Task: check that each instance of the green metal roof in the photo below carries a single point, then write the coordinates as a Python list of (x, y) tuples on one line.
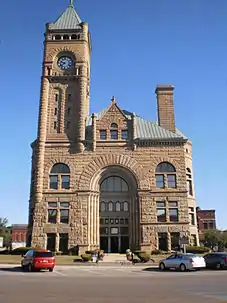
[(69, 19), (145, 130)]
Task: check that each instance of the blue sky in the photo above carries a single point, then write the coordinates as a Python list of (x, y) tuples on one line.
[(136, 45)]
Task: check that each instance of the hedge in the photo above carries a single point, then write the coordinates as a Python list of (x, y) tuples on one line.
[(144, 256), (197, 249), (86, 257)]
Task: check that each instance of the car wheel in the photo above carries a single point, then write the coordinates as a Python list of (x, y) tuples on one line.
[(218, 266), (162, 266), (182, 267), (30, 268), (51, 269)]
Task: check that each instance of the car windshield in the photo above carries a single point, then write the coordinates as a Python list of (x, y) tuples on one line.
[(43, 254)]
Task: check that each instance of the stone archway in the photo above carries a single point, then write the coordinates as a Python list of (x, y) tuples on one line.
[(118, 210)]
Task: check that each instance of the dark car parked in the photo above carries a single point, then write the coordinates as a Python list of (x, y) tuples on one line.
[(216, 260)]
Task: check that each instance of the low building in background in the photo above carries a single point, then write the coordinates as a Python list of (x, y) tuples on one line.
[(206, 220), (19, 235)]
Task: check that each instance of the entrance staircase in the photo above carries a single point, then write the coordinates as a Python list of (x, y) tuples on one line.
[(115, 258)]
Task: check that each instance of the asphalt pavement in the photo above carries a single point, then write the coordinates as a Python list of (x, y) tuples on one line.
[(121, 284)]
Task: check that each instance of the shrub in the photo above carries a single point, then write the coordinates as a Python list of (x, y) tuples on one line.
[(20, 250), (58, 253), (77, 259), (142, 255), (156, 252), (197, 249), (86, 257)]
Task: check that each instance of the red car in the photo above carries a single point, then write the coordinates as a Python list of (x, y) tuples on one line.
[(37, 260)]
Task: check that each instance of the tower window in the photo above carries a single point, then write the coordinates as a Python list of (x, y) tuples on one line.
[(59, 176), (114, 134), (65, 37), (69, 97), (124, 134), (102, 134), (75, 37), (58, 37), (55, 111), (56, 97), (55, 125), (69, 111)]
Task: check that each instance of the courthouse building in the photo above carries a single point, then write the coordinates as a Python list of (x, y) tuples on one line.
[(109, 180)]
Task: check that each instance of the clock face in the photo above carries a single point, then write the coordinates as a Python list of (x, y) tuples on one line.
[(65, 63)]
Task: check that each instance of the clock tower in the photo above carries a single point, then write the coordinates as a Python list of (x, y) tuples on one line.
[(64, 104)]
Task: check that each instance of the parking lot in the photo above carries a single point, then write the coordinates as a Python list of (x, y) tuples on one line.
[(85, 284)]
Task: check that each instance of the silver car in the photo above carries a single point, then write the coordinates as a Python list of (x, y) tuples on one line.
[(182, 262)]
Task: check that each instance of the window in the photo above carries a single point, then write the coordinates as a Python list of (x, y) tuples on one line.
[(163, 241), (160, 181), (175, 238), (114, 125), (193, 240), (168, 171), (68, 125), (56, 97), (173, 215), (211, 225), (191, 215), (64, 216), (51, 241), (205, 225), (124, 134), (189, 181), (52, 216), (171, 181), (59, 177), (55, 125), (69, 97), (160, 204), (161, 215), (102, 134), (63, 242), (114, 134), (69, 111), (55, 111), (103, 206), (118, 206), (110, 206), (125, 206), (114, 184)]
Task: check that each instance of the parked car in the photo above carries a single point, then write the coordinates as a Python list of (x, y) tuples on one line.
[(37, 260), (182, 262), (216, 260)]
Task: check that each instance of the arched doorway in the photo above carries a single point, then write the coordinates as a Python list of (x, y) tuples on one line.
[(118, 212)]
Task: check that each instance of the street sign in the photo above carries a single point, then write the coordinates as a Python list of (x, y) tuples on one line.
[(184, 240)]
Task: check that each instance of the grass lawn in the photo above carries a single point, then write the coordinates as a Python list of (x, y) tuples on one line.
[(60, 260)]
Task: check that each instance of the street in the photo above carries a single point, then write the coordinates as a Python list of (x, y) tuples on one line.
[(86, 284)]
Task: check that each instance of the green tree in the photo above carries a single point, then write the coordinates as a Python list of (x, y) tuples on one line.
[(214, 238), (3, 222)]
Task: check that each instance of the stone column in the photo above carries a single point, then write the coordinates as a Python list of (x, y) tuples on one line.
[(97, 222), (57, 242), (82, 109), (133, 130), (42, 128), (132, 223), (169, 241), (93, 132), (91, 220)]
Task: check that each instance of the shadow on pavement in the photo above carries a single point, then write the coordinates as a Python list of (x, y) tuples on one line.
[(11, 269)]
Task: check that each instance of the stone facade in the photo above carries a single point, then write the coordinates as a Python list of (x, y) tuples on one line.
[(66, 136)]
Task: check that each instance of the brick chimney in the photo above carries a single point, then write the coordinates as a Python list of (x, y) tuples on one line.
[(164, 94)]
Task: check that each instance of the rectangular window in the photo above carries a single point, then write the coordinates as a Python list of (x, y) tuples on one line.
[(193, 241), (64, 216), (205, 225), (55, 111), (69, 97), (173, 204), (54, 182), (103, 231), (55, 125), (64, 204), (163, 241), (102, 134), (52, 216), (69, 111), (65, 182), (160, 181), (211, 225), (114, 134), (171, 181), (63, 242), (160, 204), (51, 241), (173, 215), (124, 230), (192, 218), (56, 97), (161, 215), (52, 204), (175, 238), (189, 187), (124, 134)]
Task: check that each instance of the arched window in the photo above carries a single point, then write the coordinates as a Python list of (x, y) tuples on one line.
[(110, 206), (60, 176), (189, 181), (103, 206), (125, 206), (114, 184), (118, 206), (165, 171), (114, 131)]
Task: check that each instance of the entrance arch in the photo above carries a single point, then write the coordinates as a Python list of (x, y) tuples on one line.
[(118, 210)]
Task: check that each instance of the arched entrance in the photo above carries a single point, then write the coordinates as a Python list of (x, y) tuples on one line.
[(118, 211)]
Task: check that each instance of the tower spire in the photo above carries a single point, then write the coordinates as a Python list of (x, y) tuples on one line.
[(71, 3)]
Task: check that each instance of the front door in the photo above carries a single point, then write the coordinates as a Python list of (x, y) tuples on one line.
[(104, 244), (124, 244), (114, 244)]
